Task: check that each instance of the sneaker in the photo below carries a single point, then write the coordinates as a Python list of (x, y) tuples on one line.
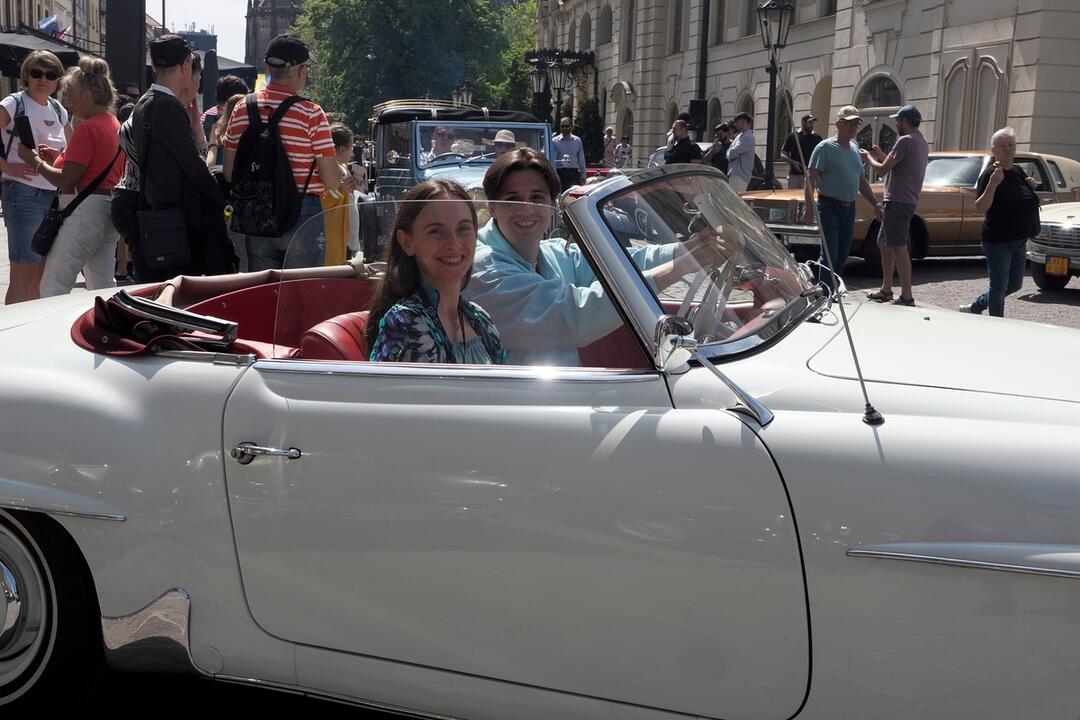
[(970, 308)]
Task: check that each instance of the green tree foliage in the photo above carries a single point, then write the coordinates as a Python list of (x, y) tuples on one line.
[(589, 126), (370, 51)]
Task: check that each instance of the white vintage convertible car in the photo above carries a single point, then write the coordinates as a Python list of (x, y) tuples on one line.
[(207, 476)]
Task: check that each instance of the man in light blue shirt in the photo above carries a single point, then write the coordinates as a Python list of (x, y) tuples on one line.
[(545, 312), (835, 169), (569, 160), (741, 153)]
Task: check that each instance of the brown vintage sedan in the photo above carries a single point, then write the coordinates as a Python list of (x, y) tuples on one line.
[(946, 221)]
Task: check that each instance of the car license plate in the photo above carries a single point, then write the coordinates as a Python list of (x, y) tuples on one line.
[(1057, 266)]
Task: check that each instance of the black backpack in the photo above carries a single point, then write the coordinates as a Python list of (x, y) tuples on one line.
[(265, 202)]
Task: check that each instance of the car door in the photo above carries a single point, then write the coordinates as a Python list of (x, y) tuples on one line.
[(564, 529)]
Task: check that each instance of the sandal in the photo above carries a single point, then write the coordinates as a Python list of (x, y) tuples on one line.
[(907, 302), (878, 296)]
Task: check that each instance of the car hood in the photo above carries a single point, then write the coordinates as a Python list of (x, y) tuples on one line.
[(940, 348), (1066, 213), (469, 176)]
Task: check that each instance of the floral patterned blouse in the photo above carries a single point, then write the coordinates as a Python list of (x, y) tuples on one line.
[(410, 331)]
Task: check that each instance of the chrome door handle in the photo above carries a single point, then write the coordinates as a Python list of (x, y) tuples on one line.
[(245, 452)]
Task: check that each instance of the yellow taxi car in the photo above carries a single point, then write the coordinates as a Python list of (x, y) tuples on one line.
[(945, 222)]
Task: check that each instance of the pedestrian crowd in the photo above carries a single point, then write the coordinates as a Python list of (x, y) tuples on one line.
[(129, 187)]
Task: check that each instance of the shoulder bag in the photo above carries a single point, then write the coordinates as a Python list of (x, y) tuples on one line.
[(54, 219)]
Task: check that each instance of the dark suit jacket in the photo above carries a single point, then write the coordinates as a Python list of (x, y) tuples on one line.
[(173, 174)]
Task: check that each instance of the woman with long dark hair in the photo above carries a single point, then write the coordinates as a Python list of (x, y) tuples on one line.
[(417, 313)]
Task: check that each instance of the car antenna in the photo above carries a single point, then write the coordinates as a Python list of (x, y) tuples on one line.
[(870, 414)]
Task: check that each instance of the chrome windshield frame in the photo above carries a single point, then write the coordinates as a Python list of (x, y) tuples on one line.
[(629, 291)]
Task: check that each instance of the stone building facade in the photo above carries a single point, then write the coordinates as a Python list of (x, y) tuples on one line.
[(266, 19), (970, 66)]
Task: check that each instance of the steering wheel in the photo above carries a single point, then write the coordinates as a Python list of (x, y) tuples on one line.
[(448, 154), (706, 319)]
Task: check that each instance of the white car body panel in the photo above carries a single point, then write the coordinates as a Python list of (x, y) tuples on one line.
[(623, 548), (478, 525)]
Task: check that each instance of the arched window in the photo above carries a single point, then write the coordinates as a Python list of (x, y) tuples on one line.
[(745, 105), (952, 119), (629, 30), (783, 123), (585, 34), (715, 115), (626, 125), (988, 83), (571, 37), (879, 92), (603, 27)]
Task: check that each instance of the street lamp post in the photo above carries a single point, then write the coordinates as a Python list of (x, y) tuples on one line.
[(539, 83), (774, 18), (559, 69)]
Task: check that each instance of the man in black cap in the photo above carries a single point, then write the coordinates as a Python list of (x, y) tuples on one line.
[(166, 170), (808, 140), (305, 135)]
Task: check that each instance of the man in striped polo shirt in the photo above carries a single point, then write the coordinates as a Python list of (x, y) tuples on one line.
[(305, 132)]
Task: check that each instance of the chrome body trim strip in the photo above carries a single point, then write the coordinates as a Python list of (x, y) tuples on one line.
[(964, 563), (209, 357), (52, 510), (454, 372), (154, 639)]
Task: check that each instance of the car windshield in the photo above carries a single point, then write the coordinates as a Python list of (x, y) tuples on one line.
[(728, 275), (472, 142), (960, 172)]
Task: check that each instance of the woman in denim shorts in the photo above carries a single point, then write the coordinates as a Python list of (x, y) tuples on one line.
[(26, 195)]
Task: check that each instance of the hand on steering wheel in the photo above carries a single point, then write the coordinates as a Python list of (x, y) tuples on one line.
[(708, 248)]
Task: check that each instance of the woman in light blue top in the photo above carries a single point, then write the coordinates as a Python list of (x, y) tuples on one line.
[(542, 294)]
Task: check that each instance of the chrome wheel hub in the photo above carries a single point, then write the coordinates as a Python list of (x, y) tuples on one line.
[(10, 608), (24, 611)]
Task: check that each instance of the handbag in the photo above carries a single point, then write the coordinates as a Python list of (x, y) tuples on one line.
[(163, 239), (45, 235)]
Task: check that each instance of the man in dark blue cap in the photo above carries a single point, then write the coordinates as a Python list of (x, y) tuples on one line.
[(906, 166), (807, 140), (166, 171)]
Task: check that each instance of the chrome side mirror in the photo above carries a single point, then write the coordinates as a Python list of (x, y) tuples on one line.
[(673, 342)]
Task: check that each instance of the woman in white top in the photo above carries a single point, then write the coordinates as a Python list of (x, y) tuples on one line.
[(27, 196)]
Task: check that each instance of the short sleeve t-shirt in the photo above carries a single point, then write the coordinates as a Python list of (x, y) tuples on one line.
[(93, 145), (305, 132), (1014, 214), (808, 141), (905, 180), (840, 168), (48, 130)]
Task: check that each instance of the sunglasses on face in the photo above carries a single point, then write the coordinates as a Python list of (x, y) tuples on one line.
[(49, 75), (505, 145), (441, 134)]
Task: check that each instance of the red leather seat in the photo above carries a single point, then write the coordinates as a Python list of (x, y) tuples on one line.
[(339, 338)]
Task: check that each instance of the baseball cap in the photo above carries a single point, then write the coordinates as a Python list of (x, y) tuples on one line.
[(848, 112), (809, 118), (908, 112), (169, 51), (286, 51)]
